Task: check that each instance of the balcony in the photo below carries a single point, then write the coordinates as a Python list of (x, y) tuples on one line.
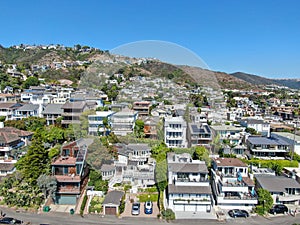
[(198, 201), (69, 190), (174, 137)]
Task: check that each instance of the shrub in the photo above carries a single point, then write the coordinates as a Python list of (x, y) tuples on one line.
[(168, 214), (122, 205)]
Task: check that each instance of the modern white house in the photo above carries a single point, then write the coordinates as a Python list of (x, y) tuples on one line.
[(8, 109), (27, 110), (134, 165), (232, 186), (259, 125), (188, 184), (227, 132), (175, 132), (123, 122), (96, 126)]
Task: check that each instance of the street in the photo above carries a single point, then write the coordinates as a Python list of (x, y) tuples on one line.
[(54, 218)]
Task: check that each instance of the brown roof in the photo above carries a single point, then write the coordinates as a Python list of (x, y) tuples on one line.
[(62, 160), (13, 130), (8, 137), (248, 181), (229, 162), (67, 178), (173, 189), (6, 105)]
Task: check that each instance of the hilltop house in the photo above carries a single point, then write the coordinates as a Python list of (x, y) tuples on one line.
[(71, 171), (232, 187), (188, 184)]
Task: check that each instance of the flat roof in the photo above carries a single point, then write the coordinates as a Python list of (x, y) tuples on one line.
[(187, 167), (228, 162), (173, 189), (266, 141), (288, 135)]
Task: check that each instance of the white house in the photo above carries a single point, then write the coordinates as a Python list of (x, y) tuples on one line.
[(175, 132), (188, 184), (123, 122), (260, 126), (232, 187), (96, 126)]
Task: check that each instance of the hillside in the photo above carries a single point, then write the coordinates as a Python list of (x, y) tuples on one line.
[(102, 61), (291, 83), (216, 79), (259, 80)]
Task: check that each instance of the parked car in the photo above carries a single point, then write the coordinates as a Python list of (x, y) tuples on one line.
[(148, 207), (135, 210), (10, 220), (279, 209), (238, 213)]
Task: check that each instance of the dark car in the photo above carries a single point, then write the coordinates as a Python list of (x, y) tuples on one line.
[(135, 210), (238, 213), (10, 220), (148, 207), (279, 209)]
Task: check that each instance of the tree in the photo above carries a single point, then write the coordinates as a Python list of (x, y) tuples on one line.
[(36, 160), (2, 118), (201, 153), (48, 185), (31, 81), (265, 201), (97, 182), (139, 128), (250, 130)]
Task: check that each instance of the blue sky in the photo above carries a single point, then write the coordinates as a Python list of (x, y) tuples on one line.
[(254, 36)]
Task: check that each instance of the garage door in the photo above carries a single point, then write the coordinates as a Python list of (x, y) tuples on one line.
[(179, 207), (190, 208), (110, 210)]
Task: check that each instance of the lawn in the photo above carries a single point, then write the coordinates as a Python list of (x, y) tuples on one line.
[(148, 197), (96, 204)]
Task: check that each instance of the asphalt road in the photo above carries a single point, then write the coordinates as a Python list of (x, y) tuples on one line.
[(54, 218)]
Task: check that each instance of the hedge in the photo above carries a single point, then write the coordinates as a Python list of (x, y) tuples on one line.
[(83, 204)]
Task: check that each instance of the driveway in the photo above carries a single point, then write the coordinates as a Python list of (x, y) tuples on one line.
[(128, 206)]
